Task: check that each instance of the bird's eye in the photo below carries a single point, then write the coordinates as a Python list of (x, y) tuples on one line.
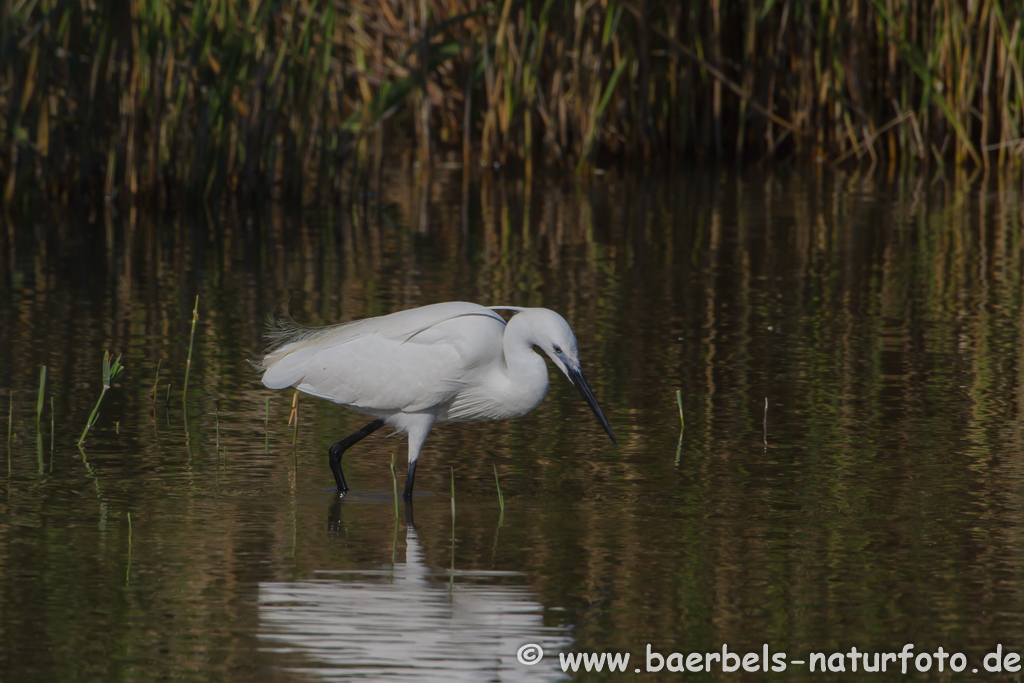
[(557, 348)]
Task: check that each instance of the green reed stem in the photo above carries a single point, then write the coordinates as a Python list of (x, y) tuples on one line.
[(295, 417), (128, 570), (53, 428), (765, 420), (394, 483), (111, 369), (42, 391), (156, 380), (394, 553), (501, 498), (682, 426), (39, 451), (10, 430), (191, 343), (266, 429)]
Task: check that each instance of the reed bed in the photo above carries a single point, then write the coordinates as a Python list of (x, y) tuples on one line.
[(215, 98)]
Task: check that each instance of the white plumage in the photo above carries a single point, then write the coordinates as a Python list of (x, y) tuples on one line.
[(449, 362)]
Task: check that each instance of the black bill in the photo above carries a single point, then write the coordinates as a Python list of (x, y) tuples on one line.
[(580, 382)]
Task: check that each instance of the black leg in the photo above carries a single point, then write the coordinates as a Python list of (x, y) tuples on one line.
[(335, 452), (410, 477)]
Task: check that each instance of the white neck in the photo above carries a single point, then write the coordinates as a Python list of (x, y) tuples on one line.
[(527, 371)]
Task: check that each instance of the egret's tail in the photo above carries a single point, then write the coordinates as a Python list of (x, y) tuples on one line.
[(291, 346), (283, 336)]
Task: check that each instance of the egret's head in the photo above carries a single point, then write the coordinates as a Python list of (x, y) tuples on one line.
[(553, 336)]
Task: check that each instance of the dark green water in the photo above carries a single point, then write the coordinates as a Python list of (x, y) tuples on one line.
[(878, 501)]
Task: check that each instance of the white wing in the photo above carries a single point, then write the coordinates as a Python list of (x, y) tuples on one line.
[(410, 360)]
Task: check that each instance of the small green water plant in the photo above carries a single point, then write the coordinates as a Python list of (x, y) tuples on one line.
[(111, 369), (191, 343), (156, 381), (42, 393), (682, 426)]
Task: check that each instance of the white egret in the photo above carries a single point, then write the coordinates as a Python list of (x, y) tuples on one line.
[(449, 362)]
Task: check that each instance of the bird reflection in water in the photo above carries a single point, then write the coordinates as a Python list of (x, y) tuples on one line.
[(410, 623)]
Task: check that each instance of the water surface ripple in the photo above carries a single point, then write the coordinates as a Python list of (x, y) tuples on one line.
[(849, 354)]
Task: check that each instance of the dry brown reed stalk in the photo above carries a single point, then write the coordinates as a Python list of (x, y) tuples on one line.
[(163, 99)]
